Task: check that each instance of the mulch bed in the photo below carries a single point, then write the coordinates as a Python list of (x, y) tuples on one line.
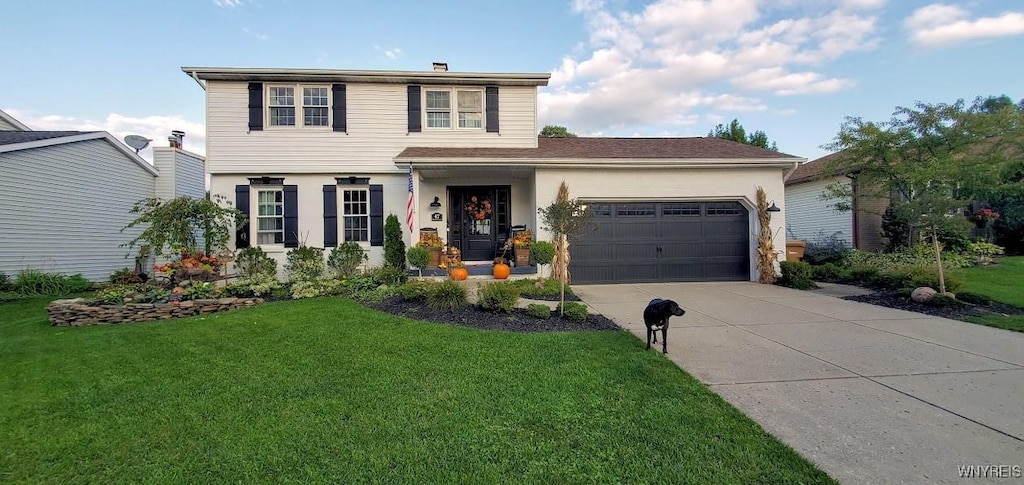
[(891, 299), (470, 316)]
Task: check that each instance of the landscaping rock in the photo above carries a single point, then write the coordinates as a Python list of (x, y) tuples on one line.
[(923, 294), (77, 312)]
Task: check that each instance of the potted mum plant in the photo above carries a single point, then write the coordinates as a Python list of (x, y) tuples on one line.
[(521, 247), (433, 243)]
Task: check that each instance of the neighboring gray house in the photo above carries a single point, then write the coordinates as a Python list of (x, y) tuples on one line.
[(68, 194)]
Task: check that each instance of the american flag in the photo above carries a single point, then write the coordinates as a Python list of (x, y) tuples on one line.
[(408, 205)]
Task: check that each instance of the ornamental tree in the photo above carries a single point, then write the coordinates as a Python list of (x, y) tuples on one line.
[(567, 219), (177, 225)]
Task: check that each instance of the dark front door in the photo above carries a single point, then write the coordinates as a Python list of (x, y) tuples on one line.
[(663, 241), (479, 220)]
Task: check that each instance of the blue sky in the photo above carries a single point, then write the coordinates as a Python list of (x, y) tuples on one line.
[(793, 68)]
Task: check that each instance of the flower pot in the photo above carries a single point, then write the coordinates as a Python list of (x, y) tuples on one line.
[(795, 249), (501, 271), (435, 257), (522, 256)]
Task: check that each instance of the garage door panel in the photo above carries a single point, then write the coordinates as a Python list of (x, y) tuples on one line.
[(682, 229), (698, 241)]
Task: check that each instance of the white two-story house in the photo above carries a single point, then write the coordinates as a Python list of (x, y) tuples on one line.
[(318, 157)]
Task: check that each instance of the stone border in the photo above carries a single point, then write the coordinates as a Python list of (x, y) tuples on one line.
[(76, 312)]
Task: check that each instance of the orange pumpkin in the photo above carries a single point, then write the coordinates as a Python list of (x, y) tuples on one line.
[(459, 274), (501, 271)]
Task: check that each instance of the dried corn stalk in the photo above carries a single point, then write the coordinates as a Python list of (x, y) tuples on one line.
[(766, 254)]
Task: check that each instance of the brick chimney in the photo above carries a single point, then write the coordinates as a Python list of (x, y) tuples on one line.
[(441, 66), (177, 139)]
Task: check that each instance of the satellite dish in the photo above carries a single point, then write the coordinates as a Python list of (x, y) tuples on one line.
[(137, 142)]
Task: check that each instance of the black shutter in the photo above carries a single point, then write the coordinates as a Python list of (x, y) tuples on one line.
[(415, 116), (242, 204), (291, 216), (491, 104), (376, 215), (255, 106), (339, 110), (330, 216)]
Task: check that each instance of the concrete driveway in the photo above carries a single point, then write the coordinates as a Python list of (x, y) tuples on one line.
[(869, 394)]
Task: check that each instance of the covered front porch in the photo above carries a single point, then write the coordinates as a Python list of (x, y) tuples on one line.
[(475, 209)]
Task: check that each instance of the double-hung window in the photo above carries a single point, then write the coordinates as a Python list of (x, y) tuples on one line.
[(282, 106), (295, 104), (314, 106), (471, 107), (270, 216), (439, 109), (355, 210)]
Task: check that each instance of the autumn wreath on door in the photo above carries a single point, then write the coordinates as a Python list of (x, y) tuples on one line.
[(478, 209)]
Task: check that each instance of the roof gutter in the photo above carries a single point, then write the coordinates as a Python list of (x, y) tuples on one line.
[(195, 76), (597, 162), (789, 172)]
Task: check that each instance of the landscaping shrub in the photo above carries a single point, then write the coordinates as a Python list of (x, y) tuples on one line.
[(6, 296), (497, 296), (255, 285), (447, 295), (826, 249), (345, 259), (796, 274), (115, 294), (984, 252), (124, 276), (944, 301), (539, 310), (5, 282), (202, 290), (419, 257), (575, 311), (321, 286), (861, 272), (394, 246), (542, 252), (827, 271), (974, 298), (415, 289), (36, 283), (305, 263), (387, 275), (252, 261)]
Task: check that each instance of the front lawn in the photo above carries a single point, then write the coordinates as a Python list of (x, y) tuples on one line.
[(325, 390), (1003, 283)]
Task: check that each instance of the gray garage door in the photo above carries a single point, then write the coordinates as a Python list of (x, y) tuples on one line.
[(663, 241)]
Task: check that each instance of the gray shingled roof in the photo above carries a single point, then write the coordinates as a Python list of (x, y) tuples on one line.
[(626, 148), (12, 137)]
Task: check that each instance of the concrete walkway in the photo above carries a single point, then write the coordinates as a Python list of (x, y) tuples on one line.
[(870, 394)]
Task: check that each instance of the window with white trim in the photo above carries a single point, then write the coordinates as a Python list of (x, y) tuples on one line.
[(282, 106), (299, 105), (471, 107), (355, 212), (269, 216), (439, 109), (314, 106)]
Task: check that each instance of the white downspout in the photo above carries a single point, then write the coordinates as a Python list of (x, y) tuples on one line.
[(198, 81)]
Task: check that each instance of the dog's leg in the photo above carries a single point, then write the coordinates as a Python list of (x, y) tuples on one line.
[(649, 332), (664, 338)]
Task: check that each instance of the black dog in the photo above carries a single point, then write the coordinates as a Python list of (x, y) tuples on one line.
[(656, 317)]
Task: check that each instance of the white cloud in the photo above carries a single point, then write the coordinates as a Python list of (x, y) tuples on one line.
[(939, 24), (673, 61), (228, 3), (392, 53), (154, 127), (257, 35)]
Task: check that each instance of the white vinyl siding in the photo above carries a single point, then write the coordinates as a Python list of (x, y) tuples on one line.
[(809, 217), (378, 130), (355, 214), (65, 206), (4, 125)]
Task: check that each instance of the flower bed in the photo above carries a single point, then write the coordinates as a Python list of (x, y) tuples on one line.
[(78, 312)]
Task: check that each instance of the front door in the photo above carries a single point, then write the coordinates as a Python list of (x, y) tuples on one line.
[(479, 220)]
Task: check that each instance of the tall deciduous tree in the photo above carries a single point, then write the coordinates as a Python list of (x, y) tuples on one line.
[(556, 131), (735, 132)]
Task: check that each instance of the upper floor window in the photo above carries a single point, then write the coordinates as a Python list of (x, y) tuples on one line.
[(471, 107), (313, 104), (468, 108), (439, 109)]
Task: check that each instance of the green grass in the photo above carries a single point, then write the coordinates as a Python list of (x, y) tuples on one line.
[(1002, 283), (324, 390)]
